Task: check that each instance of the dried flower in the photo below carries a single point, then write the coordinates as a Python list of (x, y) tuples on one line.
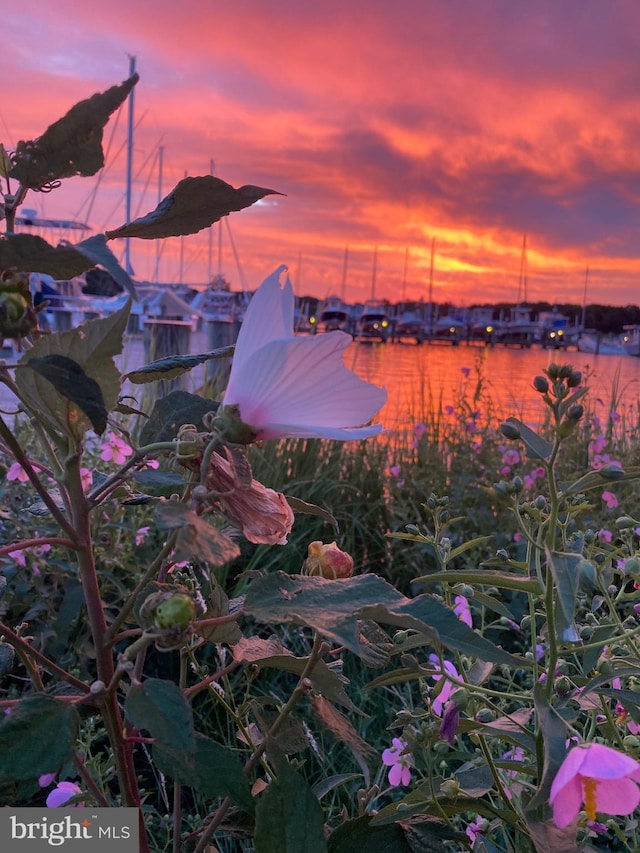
[(263, 515), (282, 385), (602, 778)]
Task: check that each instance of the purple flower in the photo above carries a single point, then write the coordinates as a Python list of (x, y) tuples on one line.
[(610, 500), (399, 762), (62, 793), (450, 720), (462, 610), (448, 688)]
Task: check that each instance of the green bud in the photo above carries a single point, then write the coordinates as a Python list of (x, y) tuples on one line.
[(574, 379), (450, 788), (563, 685), (540, 384), (517, 485), (485, 715), (611, 472), (553, 371), (575, 412), (632, 566), (510, 430), (625, 522), (631, 742), (177, 611)]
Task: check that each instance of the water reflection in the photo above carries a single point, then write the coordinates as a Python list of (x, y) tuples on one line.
[(430, 377)]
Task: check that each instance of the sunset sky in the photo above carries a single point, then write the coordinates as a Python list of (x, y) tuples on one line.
[(470, 123)]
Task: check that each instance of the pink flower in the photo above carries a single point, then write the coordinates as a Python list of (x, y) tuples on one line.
[(511, 457), (610, 500), (462, 610), (400, 764), (19, 557), (465, 371), (141, 532), (61, 795), (605, 536), (263, 515), (327, 561), (419, 430), (86, 478), (114, 449), (602, 778), (282, 385), (17, 472), (448, 688)]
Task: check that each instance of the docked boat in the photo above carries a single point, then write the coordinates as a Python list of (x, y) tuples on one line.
[(599, 344), (409, 325), (374, 322), (334, 316)]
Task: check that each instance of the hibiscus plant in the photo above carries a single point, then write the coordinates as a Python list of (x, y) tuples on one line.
[(109, 699)]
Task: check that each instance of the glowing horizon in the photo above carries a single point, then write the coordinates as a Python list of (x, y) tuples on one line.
[(471, 124)]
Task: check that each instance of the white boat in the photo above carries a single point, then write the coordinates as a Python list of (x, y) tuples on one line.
[(599, 344), (334, 315), (374, 322)]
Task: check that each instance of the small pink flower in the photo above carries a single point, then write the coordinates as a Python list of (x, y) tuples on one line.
[(19, 557), (62, 793), (114, 449), (611, 501), (465, 371), (477, 827), (46, 779), (86, 478), (400, 763), (419, 430), (602, 778), (605, 536), (17, 472), (282, 385), (448, 688), (449, 410), (511, 457), (141, 532), (394, 470), (462, 610)]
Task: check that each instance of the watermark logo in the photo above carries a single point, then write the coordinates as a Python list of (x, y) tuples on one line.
[(35, 830)]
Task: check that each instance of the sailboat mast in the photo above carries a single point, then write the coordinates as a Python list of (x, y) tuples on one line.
[(343, 290), (404, 274), (433, 253), (584, 299), (159, 242), (375, 269), (127, 244)]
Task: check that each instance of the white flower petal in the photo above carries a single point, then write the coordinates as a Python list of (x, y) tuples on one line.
[(268, 317), (304, 382)]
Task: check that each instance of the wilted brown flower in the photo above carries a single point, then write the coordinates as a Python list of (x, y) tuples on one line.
[(263, 515)]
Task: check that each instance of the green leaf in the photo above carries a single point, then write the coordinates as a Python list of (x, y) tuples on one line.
[(92, 346), (598, 479), (29, 253), (197, 539), (73, 144), (357, 835), (300, 506), (194, 204), (38, 736), (333, 607), (70, 380), (174, 365), (159, 707), (511, 727), (467, 546), (537, 447), (171, 412), (152, 478), (289, 818), (555, 731), (96, 250), (271, 653), (565, 569), (499, 579), (546, 837), (210, 768)]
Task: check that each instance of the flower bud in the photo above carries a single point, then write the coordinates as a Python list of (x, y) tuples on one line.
[(611, 472), (450, 788), (574, 379), (170, 608), (18, 317), (632, 566), (510, 430), (575, 412), (327, 561), (541, 384), (625, 522)]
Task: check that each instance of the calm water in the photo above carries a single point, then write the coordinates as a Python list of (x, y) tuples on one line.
[(418, 378)]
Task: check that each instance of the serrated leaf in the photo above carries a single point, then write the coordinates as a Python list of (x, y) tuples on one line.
[(537, 447), (194, 204), (288, 815), (271, 653), (197, 539), (96, 250), (210, 768), (300, 506), (218, 605), (30, 253), (38, 737), (174, 365), (73, 144), (333, 607), (171, 412), (70, 380), (159, 707), (92, 346)]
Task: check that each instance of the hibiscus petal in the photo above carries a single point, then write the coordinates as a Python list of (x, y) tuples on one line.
[(617, 796), (603, 762), (304, 382), (395, 775), (268, 317), (566, 802)]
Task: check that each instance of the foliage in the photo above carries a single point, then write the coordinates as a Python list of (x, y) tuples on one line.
[(152, 654)]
